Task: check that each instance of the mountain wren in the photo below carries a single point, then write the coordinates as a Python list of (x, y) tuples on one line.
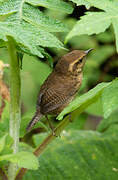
[(61, 85)]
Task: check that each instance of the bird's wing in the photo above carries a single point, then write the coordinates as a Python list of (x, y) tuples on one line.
[(42, 91), (55, 97), (56, 93)]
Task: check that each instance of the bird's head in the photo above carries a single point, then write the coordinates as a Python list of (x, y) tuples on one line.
[(73, 62)]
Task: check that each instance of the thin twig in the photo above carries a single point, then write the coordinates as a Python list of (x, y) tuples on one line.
[(44, 144)]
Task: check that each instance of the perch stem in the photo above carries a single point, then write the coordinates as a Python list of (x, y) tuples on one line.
[(44, 144), (15, 114)]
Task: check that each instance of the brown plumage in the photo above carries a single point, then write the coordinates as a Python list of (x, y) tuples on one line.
[(61, 85)]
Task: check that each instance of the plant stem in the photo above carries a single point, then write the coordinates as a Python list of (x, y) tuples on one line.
[(44, 144), (15, 114)]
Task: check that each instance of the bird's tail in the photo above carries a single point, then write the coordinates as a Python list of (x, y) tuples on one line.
[(34, 120)]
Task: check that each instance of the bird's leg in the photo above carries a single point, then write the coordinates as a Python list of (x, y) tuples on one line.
[(70, 118), (51, 127)]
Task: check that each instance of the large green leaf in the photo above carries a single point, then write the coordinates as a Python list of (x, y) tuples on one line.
[(96, 22), (109, 98), (40, 20), (25, 147), (87, 155), (82, 2), (84, 101), (22, 159), (31, 14), (106, 5), (106, 37), (8, 7), (99, 4), (92, 22), (29, 37), (53, 4), (30, 27), (95, 108)]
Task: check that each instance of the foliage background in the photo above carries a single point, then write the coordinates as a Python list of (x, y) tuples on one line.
[(88, 147)]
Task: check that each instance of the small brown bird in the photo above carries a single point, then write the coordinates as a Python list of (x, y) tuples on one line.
[(61, 85)]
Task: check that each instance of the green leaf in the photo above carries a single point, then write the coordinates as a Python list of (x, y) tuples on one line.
[(29, 27), (84, 101), (25, 147), (91, 23), (106, 5), (96, 22), (8, 7), (95, 108), (32, 15), (53, 4), (109, 98), (84, 154), (2, 142), (8, 146), (106, 37), (22, 159), (40, 20), (106, 123), (82, 2), (29, 37), (115, 25)]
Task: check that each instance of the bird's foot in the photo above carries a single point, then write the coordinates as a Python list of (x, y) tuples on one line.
[(53, 133), (70, 118), (51, 127)]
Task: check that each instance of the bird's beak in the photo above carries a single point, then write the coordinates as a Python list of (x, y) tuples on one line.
[(87, 51)]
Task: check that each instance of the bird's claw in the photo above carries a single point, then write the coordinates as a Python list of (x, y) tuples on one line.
[(54, 134)]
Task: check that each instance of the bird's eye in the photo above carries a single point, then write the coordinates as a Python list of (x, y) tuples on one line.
[(77, 63), (80, 61)]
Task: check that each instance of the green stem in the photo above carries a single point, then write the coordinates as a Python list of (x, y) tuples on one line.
[(15, 114)]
